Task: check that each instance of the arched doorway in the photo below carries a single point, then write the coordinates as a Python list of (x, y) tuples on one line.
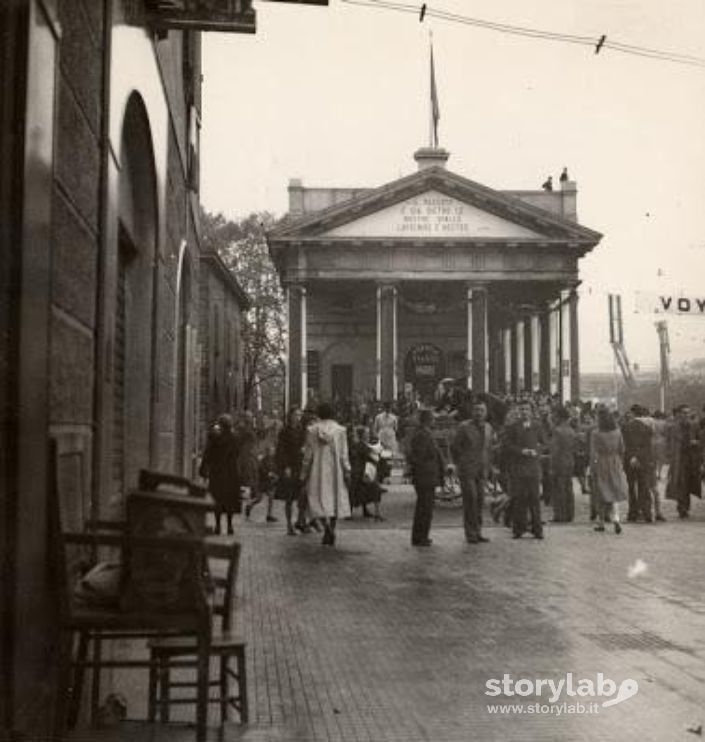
[(133, 311)]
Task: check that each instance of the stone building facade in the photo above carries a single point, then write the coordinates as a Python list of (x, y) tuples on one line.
[(428, 277), (222, 302), (100, 289)]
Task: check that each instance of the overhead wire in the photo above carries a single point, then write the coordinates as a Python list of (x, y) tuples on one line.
[(594, 42)]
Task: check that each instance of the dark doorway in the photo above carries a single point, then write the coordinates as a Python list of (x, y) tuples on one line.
[(341, 382), (424, 368)]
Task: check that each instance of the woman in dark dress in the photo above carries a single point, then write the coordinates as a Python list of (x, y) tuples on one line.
[(219, 467), (358, 456), (364, 460), (289, 456)]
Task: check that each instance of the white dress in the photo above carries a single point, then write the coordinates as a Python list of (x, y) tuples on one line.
[(325, 467), (385, 428)]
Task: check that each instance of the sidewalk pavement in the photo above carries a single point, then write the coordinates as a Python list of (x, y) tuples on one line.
[(377, 641)]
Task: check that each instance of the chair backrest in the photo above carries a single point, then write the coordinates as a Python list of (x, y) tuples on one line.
[(152, 579), (151, 480)]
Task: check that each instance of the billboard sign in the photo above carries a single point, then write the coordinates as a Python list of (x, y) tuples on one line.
[(655, 303), (234, 16)]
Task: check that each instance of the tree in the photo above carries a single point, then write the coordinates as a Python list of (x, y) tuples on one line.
[(243, 247)]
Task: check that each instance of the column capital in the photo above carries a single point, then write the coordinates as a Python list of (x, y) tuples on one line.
[(294, 285), (387, 286), (549, 305)]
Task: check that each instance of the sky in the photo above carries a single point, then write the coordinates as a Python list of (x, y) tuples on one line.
[(339, 96)]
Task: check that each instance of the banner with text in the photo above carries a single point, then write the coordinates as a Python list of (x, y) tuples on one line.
[(653, 303)]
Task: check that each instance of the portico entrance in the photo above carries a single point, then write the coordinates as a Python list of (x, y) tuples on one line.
[(429, 276)]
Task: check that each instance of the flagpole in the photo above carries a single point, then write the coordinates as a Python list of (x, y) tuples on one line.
[(434, 109), (430, 90)]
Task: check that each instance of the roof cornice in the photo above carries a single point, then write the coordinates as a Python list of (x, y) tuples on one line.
[(214, 260)]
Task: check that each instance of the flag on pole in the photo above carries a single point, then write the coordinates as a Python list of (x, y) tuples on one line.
[(435, 111)]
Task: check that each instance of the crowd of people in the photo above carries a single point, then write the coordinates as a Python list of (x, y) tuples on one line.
[(530, 450), (521, 452), (318, 467)]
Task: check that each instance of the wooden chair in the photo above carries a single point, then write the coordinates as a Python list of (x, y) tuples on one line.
[(169, 654), (75, 552)]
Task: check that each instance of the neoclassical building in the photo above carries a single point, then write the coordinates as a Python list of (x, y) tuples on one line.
[(427, 277)]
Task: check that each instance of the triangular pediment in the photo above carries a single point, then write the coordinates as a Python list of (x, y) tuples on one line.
[(433, 204), (432, 214)]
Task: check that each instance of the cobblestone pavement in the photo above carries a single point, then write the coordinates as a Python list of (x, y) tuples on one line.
[(377, 641)]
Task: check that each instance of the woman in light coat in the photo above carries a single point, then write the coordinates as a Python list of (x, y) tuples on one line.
[(326, 471), (608, 478)]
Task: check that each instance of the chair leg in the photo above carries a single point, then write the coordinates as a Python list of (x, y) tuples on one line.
[(64, 658), (224, 688), (78, 675), (153, 676), (242, 685), (202, 680), (164, 688), (95, 680)]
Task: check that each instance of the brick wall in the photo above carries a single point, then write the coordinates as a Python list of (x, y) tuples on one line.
[(75, 217), (220, 337)]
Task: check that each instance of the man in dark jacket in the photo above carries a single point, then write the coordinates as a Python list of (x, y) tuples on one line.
[(546, 424), (685, 456), (289, 456), (638, 463), (427, 466), (525, 443), (471, 451), (562, 447)]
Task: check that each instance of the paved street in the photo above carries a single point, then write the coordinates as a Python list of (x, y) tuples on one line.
[(376, 641)]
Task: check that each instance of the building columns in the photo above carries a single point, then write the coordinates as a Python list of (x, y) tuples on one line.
[(566, 357), (554, 341), (387, 345), (574, 346), (469, 356), (477, 356), (528, 353), (513, 349), (535, 352), (545, 350), (506, 336), (296, 371), (520, 357)]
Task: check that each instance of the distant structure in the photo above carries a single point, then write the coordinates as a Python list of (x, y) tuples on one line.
[(564, 175), (548, 184), (392, 289), (614, 302)]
